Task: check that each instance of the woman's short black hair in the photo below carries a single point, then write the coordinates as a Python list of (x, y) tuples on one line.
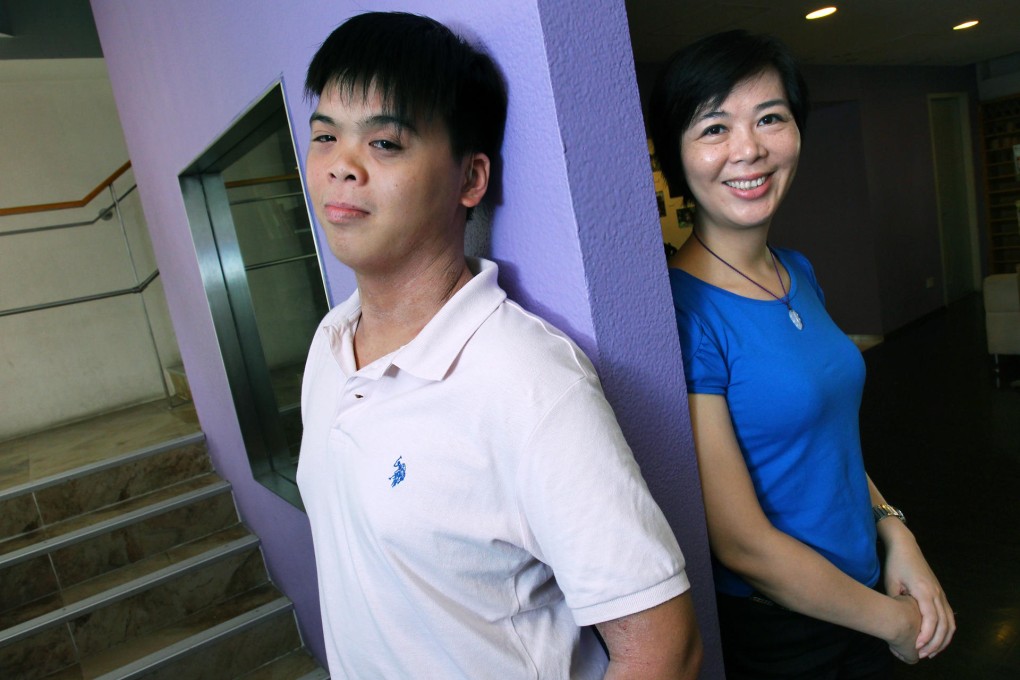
[(700, 76), (422, 70)]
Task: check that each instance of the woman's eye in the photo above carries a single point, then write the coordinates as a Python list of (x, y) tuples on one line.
[(771, 119), (715, 130)]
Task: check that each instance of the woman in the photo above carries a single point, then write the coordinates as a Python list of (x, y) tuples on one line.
[(774, 391)]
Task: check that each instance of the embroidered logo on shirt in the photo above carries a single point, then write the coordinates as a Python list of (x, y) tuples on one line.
[(398, 476)]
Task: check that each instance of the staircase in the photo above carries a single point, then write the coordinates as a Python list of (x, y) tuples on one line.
[(136, 566)]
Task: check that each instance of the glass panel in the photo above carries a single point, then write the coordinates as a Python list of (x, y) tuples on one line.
[(278, 252), (261, 272)]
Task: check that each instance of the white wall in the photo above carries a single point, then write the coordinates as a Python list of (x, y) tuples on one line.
[(61, 137)]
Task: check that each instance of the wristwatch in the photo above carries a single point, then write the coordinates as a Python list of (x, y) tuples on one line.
[(886, 510)]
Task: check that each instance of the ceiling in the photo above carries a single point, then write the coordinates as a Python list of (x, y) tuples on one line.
[(49, 29), (865, 32)]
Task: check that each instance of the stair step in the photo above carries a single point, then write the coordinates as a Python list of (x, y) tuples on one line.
[(78, 529), (169, 651), (134, 566), (140, 619), (31, 572), (135, 579), (32, 505), (297, 665)]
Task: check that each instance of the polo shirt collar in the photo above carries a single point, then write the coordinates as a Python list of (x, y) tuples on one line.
[(432, 352)]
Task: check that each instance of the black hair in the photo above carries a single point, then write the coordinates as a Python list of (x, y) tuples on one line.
[(422, 71), (700, 76)]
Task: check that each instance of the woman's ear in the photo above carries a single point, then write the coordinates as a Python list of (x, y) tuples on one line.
[(476, 179)]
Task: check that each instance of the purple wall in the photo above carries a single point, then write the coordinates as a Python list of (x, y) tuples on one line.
[(575, 231)]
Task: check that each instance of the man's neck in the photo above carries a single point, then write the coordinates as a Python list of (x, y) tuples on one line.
[(396, 306)]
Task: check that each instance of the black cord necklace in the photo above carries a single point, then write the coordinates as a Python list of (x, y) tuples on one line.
[(794, 316)]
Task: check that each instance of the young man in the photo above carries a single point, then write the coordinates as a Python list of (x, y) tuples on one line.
[(473, 503)]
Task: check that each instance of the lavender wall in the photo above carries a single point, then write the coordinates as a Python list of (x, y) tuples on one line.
[(575, 229), (605, 148)]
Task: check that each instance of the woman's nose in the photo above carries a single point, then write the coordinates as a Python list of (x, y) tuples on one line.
[(746, 145)]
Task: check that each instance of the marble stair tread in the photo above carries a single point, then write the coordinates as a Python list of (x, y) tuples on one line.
[(127, 477), (297, 665), (72, 469), (106, 552), (264, 636), (69, 673), (121, 583), (77, 529), (140, 655), (29, 506), (96, 439)]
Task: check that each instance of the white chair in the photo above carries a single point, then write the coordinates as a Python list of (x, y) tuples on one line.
[(1002, 315)]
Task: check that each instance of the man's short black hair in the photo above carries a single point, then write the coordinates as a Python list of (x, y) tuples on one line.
[(422, 71), (700, 76)]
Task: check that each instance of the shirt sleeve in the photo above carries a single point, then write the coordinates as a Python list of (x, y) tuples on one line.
[(705, 369), (586, 512)]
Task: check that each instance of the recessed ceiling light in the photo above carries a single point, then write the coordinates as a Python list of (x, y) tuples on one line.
[(965, 24), (819, 13)]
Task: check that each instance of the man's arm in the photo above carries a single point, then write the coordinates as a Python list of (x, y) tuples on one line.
[(658, 643)]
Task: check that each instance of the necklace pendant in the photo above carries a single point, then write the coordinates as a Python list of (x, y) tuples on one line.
[(795, 319)]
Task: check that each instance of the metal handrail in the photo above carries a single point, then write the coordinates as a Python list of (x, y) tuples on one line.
[(110, 211), (65, 205), (106, 213), (140, 288)]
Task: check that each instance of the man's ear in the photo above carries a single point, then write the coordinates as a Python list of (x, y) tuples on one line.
[(476, 179)]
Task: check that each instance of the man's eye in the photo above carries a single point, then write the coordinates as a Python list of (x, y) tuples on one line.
[(323, 138), (386, 145)]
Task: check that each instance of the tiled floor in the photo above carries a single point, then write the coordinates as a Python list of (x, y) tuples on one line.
[(943, 443)]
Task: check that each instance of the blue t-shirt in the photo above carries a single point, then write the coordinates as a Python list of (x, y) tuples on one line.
[(794, 397)]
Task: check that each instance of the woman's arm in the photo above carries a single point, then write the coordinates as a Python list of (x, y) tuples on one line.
[(779, 566), (908, 573)]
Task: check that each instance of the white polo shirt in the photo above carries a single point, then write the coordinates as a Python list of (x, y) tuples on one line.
[(472, 499)]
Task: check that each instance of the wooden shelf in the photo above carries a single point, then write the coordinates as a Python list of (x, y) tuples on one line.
[(1000, 130)]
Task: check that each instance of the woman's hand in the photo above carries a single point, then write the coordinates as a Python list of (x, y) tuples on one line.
[(908, 573), (904, 643)]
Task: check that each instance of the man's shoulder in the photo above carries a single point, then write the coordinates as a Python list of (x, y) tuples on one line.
[(525, 344)]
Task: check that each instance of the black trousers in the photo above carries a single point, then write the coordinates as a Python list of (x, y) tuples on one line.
[(763, 640)]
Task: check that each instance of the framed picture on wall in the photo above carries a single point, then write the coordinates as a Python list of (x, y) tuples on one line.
[(675, 216)]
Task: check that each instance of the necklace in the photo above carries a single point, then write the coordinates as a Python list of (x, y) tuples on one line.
[(794, 316)]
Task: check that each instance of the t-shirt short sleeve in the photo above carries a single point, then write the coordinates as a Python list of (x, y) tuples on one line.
[(587, 513), (705, 368)]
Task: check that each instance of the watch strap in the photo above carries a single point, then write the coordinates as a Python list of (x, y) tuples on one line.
[(885, 510)]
